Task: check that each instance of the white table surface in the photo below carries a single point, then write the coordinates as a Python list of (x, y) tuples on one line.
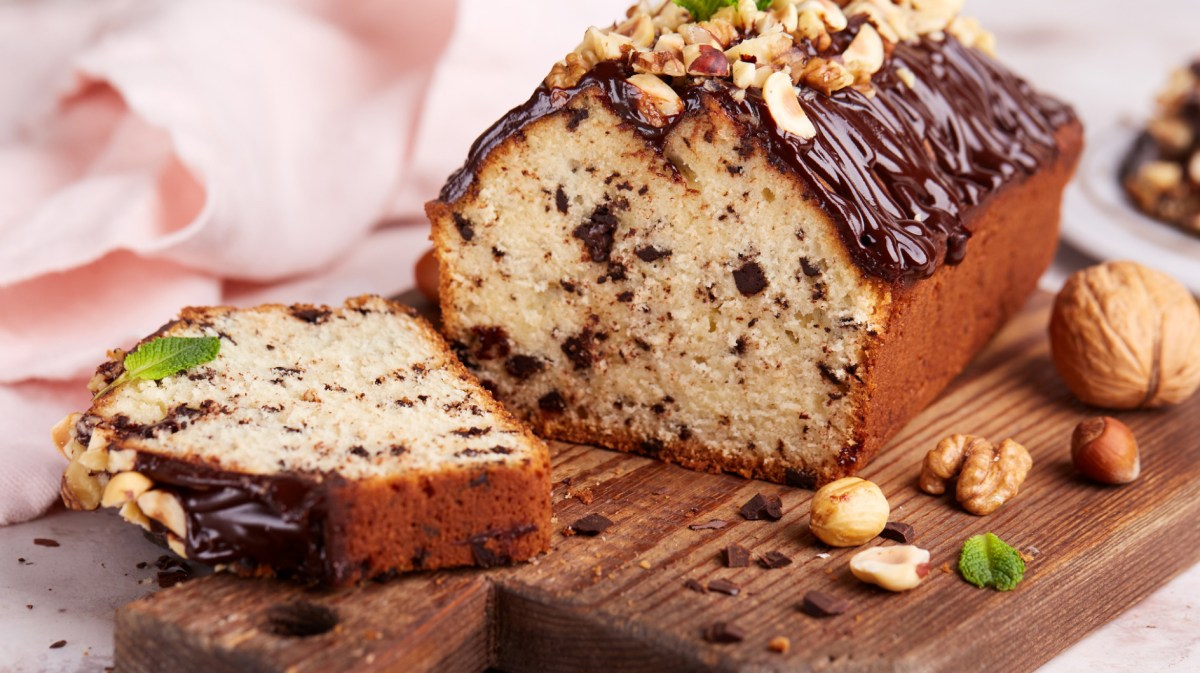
[(1105, 56)]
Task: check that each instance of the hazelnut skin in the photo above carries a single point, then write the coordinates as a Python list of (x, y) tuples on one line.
[(1123, 336), (1105, 450), (848, 512)]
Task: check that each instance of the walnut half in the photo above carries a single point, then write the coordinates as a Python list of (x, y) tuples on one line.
[(988, 475)]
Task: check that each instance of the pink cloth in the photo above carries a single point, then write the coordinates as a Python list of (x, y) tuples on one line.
[(162, 153)]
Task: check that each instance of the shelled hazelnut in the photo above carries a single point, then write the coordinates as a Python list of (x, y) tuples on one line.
[(848, 512)]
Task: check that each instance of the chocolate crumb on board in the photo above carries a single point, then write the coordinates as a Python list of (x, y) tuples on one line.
[(900, 532), (592, 524), (695, 586), (724, 587), (736, 556), (821, 604), (45, 542), (763, 507), (172, 571), (715, 524), (774, 559), (724, 632), (58, 644)]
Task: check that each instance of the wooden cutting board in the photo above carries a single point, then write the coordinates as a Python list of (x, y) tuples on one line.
[(618, 601)]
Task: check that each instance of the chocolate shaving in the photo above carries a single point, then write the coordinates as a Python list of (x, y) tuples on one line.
[(695, 586), (715, 524), (773, 559), (736, 556), (58, 644), (900, 532), (45, 542), (592, 524), (724, 587), (724, 632), (820, 604), (763, 507)]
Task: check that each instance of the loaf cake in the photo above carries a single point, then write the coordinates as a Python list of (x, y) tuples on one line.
[(1161, 174), (323, 444), (756, 243)]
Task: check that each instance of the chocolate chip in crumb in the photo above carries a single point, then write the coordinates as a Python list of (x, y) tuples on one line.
[(521, 367), (900, 532), (724, 632), (493, 342), (359, 451), (578, 349), (774, 559), (597, 234), (651, 253), (465, 228), (724, 587), (577, 116), (736, 556), (560, 200), (625, 297), (821, 604), (552, 402), (809, 268), (309, 314), (750, 279), (592, 524), (762, 507)]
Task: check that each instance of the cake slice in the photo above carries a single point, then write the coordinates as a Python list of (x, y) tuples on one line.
[(756, 242), (324, 444)]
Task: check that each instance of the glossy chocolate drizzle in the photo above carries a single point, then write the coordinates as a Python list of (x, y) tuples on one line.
[(247, 520), (901, 171)]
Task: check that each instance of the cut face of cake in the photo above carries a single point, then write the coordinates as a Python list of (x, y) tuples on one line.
[(327, 445), (758, 243)]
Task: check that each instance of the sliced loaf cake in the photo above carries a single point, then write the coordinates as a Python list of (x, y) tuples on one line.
[(758, 241), (324, 444)]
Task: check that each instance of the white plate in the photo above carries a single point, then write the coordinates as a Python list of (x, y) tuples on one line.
[(1098, 220)]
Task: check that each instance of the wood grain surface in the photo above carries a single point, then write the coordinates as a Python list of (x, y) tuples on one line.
[(617, 602)]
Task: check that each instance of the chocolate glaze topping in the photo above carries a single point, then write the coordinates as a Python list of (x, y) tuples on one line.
[(901, 172), (248, 520)]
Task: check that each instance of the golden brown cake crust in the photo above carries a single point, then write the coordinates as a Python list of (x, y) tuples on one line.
[(941, 323)]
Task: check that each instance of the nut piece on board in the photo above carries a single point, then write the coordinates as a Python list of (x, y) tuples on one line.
[(898, 568), (1123, 336), (848, 512), (988, 476), (1105, 450)]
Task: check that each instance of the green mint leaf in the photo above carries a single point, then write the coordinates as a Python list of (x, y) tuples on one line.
[(159, 358), (702, 10), (763, 4), (986, 561)]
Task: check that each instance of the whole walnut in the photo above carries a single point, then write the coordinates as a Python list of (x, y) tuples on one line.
[(1126, 337)]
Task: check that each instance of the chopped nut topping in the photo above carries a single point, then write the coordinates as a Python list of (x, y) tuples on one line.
[(748, 45)]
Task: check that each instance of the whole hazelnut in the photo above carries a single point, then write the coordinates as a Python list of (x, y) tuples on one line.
[(1125, 337), (848, 512), (1104, 450)]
